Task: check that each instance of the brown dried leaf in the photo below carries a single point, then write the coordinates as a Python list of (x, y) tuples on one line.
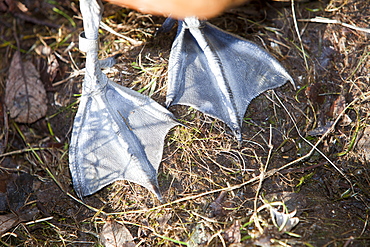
[(337, 107), (7, 221), (25, 95), (313, 93), (114, 234), (219, 206)]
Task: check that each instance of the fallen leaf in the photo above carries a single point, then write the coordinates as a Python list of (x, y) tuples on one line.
[(314, 93), (25, 95), (114, 234), (337, 107), (7, 221), (219, 206)]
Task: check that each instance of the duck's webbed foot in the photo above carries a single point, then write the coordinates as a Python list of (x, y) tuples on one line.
[(218, 73), (117, 132)]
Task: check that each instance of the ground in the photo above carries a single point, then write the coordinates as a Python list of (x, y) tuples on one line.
[(305, 150)]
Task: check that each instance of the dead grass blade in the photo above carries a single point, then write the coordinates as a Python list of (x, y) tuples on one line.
[(299, 35), (109, 29), (319, 19)]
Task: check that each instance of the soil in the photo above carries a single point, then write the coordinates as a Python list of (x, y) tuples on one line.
[(305, 150)]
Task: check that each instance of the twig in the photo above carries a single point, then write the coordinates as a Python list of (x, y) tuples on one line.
[(72, 75), (22, 151)]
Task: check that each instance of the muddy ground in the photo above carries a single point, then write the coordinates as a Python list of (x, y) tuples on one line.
[(305, 149)]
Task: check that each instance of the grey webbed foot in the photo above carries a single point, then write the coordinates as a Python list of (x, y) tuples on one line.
[(117, 133), (219, 73)]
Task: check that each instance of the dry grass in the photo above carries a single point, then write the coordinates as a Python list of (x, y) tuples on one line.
[(216, 192)]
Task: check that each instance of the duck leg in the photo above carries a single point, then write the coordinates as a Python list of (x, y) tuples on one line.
[(218, 73), (117, 133)]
